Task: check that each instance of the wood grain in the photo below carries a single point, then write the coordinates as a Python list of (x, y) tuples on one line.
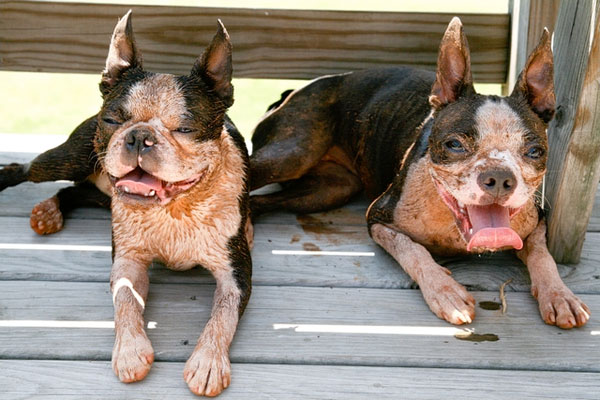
[(61, 37), (91, 380), (180, 312), (573, 162), (484, 273)]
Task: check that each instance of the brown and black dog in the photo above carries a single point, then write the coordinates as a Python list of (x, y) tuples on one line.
[(450, 171), (176, 169)]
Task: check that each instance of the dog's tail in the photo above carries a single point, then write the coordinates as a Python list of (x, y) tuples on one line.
[(279, 102)]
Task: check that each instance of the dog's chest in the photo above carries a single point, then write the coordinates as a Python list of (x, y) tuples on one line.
[(422, 215)]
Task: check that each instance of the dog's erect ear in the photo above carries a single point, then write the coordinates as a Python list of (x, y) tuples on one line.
[(122, 54), (453, 77), (536, 81), (214, 66)]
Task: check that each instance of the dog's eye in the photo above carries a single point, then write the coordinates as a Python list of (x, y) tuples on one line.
[(455, 146), (535, 152), (184, 130), (111, 121)]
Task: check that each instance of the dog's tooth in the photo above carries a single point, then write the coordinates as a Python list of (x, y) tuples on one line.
[(126, 189), (152, 193), (471, 231)]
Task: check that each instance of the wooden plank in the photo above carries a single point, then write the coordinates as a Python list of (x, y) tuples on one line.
[(542, 14), (70, 37), (519, 11), (94, 380), (18, 201), (484, 273), (285, 325), (16, 157), (533, 17), (574, 162)]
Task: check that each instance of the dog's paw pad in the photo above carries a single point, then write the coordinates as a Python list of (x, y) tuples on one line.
[(132, 357), (207, 372), (562, 308), (46, 217)]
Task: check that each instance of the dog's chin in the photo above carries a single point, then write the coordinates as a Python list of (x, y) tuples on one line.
[(141, 187), (484, 227)]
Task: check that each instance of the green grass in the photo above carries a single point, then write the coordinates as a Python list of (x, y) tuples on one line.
[(45, 103)]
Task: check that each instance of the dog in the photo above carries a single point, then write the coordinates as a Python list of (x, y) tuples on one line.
[(450, 171), (173, 168)]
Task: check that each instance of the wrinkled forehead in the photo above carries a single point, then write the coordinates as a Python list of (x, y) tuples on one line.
[(156, 95)]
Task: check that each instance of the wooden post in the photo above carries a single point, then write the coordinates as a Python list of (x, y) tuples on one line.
[(529, 18), (574, 134)]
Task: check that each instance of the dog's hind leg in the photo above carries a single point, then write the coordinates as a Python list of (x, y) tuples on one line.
[(327, 185), (47, 216), (74, 160), (294, 137)]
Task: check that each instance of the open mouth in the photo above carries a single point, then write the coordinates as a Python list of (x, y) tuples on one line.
[(142, 186), (485, 227)]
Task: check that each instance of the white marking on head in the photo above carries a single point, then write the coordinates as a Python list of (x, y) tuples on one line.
[(499, 125), (156, 95)]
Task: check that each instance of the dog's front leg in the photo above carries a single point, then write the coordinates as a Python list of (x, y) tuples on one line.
[(208, 370), (446, 298), (558, 305), (132, 354)]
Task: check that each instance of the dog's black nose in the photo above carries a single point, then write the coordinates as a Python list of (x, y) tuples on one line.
[(497, 182), (139, 140)]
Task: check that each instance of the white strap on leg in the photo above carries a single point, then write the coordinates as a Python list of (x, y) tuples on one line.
[(124, 282)]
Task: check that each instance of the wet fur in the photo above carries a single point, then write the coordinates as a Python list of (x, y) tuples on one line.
[(206, 225), (388, 130)]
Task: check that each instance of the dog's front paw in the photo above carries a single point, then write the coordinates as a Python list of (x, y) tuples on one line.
[(46, 217), (132, 356), (560, 307), (208, 371), (448, 299)]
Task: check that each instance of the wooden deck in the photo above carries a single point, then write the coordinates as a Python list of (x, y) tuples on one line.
[(317, 326)]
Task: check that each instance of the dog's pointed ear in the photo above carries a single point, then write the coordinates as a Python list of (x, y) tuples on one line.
[(536, 81), (214, 66), (453, 76), (122, 54)]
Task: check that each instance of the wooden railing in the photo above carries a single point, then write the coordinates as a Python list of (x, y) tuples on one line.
[(297, 44)]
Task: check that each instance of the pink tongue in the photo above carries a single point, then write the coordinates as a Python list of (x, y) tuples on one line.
[(491, 228), (139, 182)]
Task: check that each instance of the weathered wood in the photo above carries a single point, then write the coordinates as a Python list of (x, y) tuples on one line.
[(519, 11), (70, 37), (180, 312), (533, 17), (70, 380), (542, 14), (574, 162), (15, 157), (18, 201), (380, 271)]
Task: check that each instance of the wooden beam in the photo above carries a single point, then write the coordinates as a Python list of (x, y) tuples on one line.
[(530, 17), (74, 380), (302, 44), (574, 134), (542, 14)]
